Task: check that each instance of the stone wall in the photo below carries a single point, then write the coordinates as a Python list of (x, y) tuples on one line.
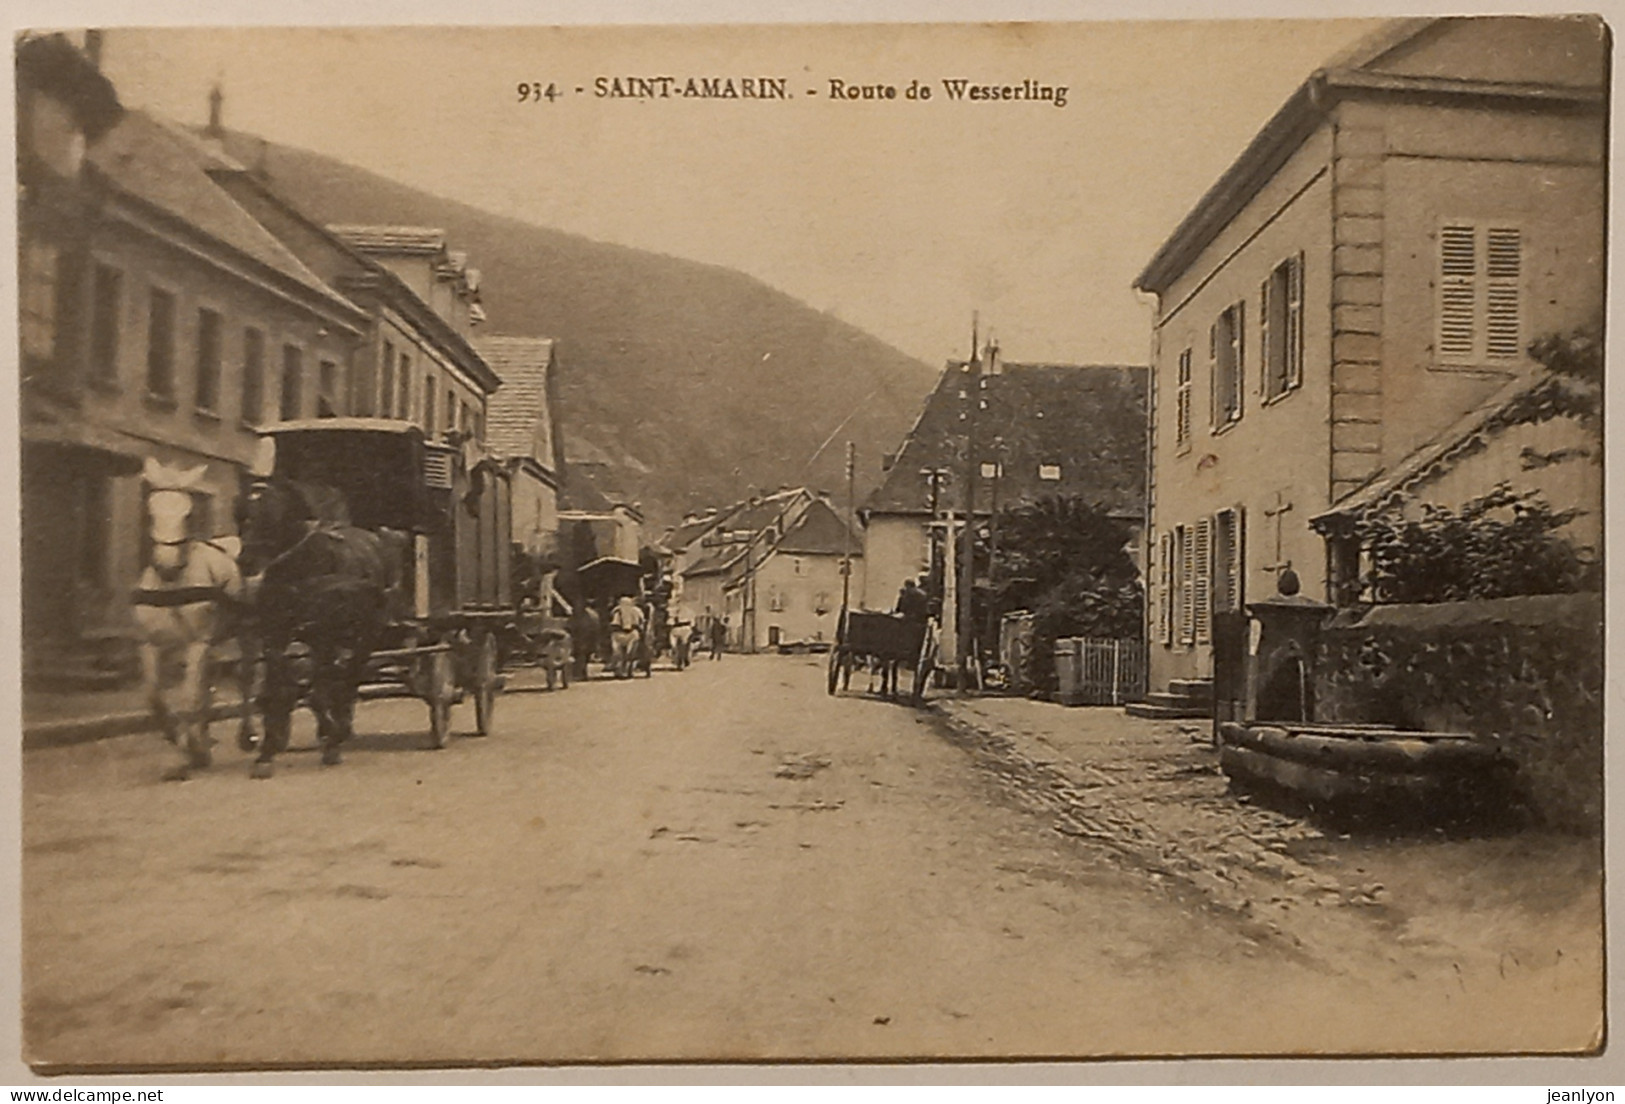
[(1526, 672)]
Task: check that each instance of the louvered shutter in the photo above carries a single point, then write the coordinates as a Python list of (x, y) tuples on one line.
[(1186, 569), (1165, 585), (1503, 269), (1202, 580), (1265, 383), (1214, 408), (1238, 372), (1294, 324), (1458, 291)]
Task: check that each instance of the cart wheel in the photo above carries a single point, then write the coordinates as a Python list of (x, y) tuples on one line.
[(439, 697), (486, 684), (924, 663), (834, 668)]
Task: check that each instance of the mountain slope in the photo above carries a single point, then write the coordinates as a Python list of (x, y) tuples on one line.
[(697, 382)]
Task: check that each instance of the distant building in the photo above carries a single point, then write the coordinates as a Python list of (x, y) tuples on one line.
[(771, 564), (522, 428), (1355, 295), (1042, 430), (596, 518)]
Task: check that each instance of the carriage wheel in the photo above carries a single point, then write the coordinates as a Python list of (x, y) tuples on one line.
[(924, 664), (834, 668), (486, 683), (439, 696)]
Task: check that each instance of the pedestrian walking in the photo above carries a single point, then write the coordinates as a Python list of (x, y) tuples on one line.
[(719, 637)]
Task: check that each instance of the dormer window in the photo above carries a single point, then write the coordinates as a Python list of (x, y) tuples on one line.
[(1049, 472)]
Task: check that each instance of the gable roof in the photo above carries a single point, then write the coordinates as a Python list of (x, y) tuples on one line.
[(1371, 65), (819, 531), (165, 168), (1090, 420), (521, 403), (751, 517)]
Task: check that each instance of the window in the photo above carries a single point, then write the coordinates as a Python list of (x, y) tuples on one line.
[(107, 295), (161, 344), (37, 299), (430, 393), (798, 565), (1226, 353), (404, 391), (253, 376), (1228, 561), (386, 401), (293, 368), (990, 470), (327, 401), (1480, 285), (1182, 402), (208, 361), (1281, 328), (775, 601), (465, 415), (1049, 472), (451, 410)]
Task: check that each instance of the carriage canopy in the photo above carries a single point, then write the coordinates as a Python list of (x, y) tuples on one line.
[(376, 463)]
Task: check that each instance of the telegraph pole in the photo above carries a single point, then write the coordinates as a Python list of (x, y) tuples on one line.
[(971, 402), (851, 516)]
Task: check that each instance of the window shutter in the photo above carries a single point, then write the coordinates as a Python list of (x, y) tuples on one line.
[(1458, 291), (1187, 564), (1503, 267), (1202, 588), (1165, 583), (1213, 407), (1238, 586), (1265, 338), (1294, 325), (1239, 340)]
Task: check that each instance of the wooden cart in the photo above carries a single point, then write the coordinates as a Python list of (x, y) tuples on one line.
[(888, 638)]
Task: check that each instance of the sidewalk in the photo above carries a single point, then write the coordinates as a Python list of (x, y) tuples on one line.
[(52, 719), (1151, 791)]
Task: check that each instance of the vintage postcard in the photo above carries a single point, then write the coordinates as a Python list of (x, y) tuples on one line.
[(759, 543)]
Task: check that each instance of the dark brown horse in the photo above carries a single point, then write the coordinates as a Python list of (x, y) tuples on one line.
[(319, 583)]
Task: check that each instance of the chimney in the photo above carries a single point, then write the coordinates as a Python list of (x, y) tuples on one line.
[(217, 99)]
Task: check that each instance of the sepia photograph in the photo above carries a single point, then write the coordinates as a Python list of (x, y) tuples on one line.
[(823, 542)]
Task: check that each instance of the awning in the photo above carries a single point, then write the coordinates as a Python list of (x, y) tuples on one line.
[(610, 577)]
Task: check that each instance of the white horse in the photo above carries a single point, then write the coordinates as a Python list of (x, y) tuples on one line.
[(179, 612)]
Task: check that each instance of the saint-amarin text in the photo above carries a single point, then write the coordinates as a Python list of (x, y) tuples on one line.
[(834, 89)]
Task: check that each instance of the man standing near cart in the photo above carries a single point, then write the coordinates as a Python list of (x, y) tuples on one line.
[(626, 628)]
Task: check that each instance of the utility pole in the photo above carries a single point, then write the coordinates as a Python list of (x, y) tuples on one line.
[(970, 405), (942, 519), (851, 516)]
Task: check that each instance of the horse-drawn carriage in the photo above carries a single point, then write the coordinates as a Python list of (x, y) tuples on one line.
[(887, 641), (388, 566)]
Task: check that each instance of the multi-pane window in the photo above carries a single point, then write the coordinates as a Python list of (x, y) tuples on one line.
[(293, 370), (430, 392), (404, 391), (208, 361), (253, 376), (1227, 352), (1479, 293), (386, 400), (1049, 472), (1182, 402), (161, 344), (107, 294), (327, 402), (1281, 328), (37, 299)]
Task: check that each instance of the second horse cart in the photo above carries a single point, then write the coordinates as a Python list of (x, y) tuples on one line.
[(888, 639)]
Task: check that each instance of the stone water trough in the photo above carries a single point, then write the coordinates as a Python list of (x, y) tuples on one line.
[(1270, 741)]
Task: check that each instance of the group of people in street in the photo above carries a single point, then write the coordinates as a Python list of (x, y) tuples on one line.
[(636, 637)]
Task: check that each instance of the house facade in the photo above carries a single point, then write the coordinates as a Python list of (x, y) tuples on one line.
[(1369, 271), (522, 427), (1040, 430), (175, 327)]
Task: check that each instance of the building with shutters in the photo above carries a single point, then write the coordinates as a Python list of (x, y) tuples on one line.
[(1041, 430), (1368, 273)]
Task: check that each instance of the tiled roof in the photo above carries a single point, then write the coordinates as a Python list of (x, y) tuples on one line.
[(513, 412), (1089, 421), (820, 531), (393, 239), (166, 168)]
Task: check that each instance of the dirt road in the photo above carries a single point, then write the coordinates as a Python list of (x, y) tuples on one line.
[(722, 863)]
